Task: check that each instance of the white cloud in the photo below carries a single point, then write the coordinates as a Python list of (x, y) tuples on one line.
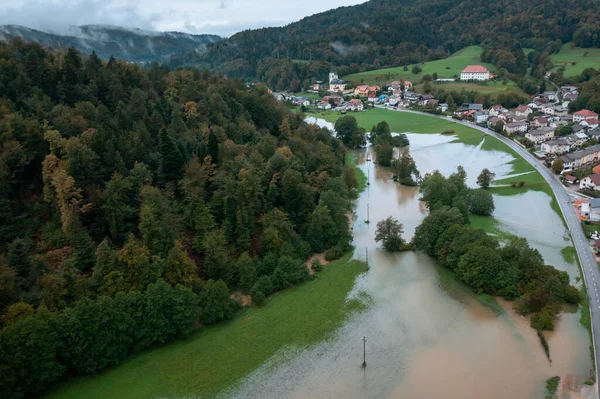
[(222, 17)]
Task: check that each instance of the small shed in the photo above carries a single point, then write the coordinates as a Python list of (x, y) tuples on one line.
[(571, 179)]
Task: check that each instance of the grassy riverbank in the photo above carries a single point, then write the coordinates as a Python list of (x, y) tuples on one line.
[(360, 175), (216, 358)]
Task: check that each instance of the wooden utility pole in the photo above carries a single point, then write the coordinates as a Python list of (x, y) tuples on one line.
[(364, 364)]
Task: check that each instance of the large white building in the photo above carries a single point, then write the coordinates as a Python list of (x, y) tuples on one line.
[(475, 72)]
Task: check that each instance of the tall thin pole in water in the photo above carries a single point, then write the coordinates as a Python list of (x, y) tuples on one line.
[(367, 255), (364, 364)]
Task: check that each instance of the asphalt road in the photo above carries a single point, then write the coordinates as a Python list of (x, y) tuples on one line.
[(587, 259)]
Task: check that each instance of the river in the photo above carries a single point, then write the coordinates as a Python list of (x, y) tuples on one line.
[(423, 342)]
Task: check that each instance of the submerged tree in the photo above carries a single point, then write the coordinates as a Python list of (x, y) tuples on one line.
[(485, 178), (405, 168), (389, 232)]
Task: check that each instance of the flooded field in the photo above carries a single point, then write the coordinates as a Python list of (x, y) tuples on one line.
[(423, 342)]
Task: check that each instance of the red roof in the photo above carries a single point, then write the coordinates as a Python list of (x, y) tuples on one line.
[(362, 87), (592, 121), (475, 69), (541, 119), (522, 108), (355, 101), (586, 112)]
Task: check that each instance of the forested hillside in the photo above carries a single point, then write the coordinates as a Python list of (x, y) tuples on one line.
[(133, 45), (383, 33), (134, 202)]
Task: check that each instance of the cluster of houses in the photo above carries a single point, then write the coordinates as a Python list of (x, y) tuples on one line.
[(539, 120)]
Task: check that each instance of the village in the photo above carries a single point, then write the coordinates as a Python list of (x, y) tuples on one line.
[(563, 141)]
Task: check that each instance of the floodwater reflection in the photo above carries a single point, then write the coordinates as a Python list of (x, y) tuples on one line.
[(421, 341)]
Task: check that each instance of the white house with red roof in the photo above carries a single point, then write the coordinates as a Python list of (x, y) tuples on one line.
[(523, 110), (591, 123), (475, 72), (584, 114)]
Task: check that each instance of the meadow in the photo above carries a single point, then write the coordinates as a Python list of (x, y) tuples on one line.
[(576, 59), (215, 358), (445, 68)]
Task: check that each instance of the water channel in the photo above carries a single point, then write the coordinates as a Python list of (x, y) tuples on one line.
[(423, 342)]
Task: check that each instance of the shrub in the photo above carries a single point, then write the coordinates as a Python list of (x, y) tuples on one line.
[(334, 253), (316, 265), (264, 284), (544, 320), (572, 295), (258, 297)]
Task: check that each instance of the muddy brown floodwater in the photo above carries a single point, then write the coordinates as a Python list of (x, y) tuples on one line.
[(421, 341)]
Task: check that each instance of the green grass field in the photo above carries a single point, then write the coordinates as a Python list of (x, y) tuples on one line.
[(446, 68), (360, 175), (218, 357), (569, 254), (569, 55), (491, 88)]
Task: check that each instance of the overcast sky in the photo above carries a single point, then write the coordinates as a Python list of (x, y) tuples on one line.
[(221, 17)]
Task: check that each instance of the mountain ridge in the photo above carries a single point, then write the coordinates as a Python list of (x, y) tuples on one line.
[(130, 44), (386, 33)]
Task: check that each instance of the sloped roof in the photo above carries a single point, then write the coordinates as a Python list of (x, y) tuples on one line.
[(522, 108), (585, 112), (595, 179), (475, 69)]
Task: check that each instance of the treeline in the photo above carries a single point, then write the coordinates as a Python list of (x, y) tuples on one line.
[(383, 33), (513, 270), (99, 333), (115, 179)]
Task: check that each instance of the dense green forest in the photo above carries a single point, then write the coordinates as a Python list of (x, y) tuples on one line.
[(382, 33), (135, 201)]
